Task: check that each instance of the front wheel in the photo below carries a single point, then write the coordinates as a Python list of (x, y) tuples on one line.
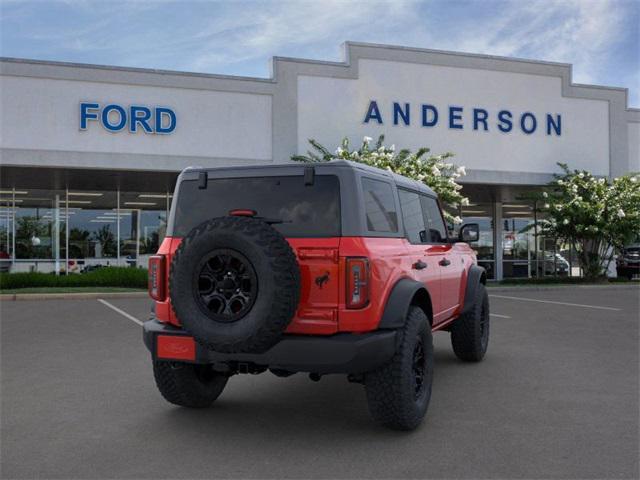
[(188, 385), (398, 393), (470, 332)]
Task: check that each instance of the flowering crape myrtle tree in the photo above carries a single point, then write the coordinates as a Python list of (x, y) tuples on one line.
[(433, 170), (594, 215)]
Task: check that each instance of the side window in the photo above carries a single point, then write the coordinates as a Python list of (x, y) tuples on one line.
[(380, 208), (412, 217), (436, 230)]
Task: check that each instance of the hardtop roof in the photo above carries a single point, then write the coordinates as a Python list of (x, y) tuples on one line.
[(399, 180)]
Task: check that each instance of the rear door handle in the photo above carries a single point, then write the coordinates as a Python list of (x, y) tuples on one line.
[(444, 262), (419, 265)]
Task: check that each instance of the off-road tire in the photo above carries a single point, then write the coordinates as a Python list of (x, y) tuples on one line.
[(188, 385), (470, 332), (276, 272), (392, 393)]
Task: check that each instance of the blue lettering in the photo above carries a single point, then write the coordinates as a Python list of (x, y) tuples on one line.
[(139, 115), (504, 117), (399, 112), (455, 113), (425, 116), (523, 123), (373, 112), (557, 125), (85, 114), (480, 115), (105, 118), (162, 112)]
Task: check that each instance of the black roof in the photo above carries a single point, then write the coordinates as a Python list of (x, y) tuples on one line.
[(398, 179)]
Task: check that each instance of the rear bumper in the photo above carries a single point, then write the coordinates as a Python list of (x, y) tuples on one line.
[(339, 353)]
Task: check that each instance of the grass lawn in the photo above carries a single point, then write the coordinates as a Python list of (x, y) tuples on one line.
[(69, 290)]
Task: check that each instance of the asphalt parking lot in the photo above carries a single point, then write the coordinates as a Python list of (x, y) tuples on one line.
[(556, 397)]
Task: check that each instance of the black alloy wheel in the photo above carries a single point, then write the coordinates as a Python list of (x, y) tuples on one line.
[(226, 285)]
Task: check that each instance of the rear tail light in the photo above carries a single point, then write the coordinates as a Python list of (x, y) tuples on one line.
[(357, 282), (156, 277), (242, 212)]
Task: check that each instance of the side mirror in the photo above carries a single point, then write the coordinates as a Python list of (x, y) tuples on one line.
[(469, 232)]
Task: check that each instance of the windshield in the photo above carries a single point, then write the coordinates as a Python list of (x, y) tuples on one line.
[(304, 210)]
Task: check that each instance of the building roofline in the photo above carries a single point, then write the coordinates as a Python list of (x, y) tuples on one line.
[(346, 62), (26, 61)]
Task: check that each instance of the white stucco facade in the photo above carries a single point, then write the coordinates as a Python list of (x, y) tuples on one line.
[(89, 154), (222, 120), (326, 105)]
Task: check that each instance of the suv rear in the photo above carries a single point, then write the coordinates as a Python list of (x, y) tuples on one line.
[(324, 268)]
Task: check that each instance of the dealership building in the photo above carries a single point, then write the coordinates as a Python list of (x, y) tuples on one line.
[(89, 154)]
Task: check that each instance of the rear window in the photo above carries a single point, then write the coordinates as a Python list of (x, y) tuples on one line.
[(305, 210)]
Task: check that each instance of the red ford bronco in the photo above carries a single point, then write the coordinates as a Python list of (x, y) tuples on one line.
[(325, 268)]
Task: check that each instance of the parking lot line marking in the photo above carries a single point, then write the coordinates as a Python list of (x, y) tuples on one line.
[(557, 303), (499, 316), (121, 312)]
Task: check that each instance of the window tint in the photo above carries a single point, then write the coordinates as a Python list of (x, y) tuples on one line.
[(380, 208), (412, 217), (436, 229), (305, 210)]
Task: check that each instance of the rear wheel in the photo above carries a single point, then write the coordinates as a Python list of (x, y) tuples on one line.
[(398, 394), (188, 385), (470, 332)]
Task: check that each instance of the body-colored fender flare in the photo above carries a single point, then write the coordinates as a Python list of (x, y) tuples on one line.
[(476, 276), (405, 293)]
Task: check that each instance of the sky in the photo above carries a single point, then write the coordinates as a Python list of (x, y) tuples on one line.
[(601, 38)]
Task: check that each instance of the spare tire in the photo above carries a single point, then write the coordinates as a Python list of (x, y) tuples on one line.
[(235, 284)]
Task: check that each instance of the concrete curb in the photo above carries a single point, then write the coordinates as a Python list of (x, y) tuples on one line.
[(71, 296), (535, 288)]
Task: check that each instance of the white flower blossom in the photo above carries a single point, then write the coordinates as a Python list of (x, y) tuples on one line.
[(461, 170), (565, 221), (457, 220), (545, 195), (339, 151), (464, 202), (621, 213), (367, 139), (392, 148), (546, 205)]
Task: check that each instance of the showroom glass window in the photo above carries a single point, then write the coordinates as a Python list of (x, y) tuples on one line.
[(69, 231), (483, 215), (518, 240)]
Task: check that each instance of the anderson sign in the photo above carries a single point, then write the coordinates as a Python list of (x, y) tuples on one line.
[(460, 118)]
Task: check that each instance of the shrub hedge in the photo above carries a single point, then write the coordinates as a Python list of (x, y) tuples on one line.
[(102, 277)]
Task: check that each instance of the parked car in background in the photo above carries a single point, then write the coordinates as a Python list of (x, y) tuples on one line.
[(5, 261), (628, 262), (553, 264)]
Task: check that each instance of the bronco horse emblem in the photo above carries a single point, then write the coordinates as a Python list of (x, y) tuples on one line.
[(320, 281)]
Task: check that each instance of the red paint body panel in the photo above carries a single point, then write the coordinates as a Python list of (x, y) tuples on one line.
[(322, 309)]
